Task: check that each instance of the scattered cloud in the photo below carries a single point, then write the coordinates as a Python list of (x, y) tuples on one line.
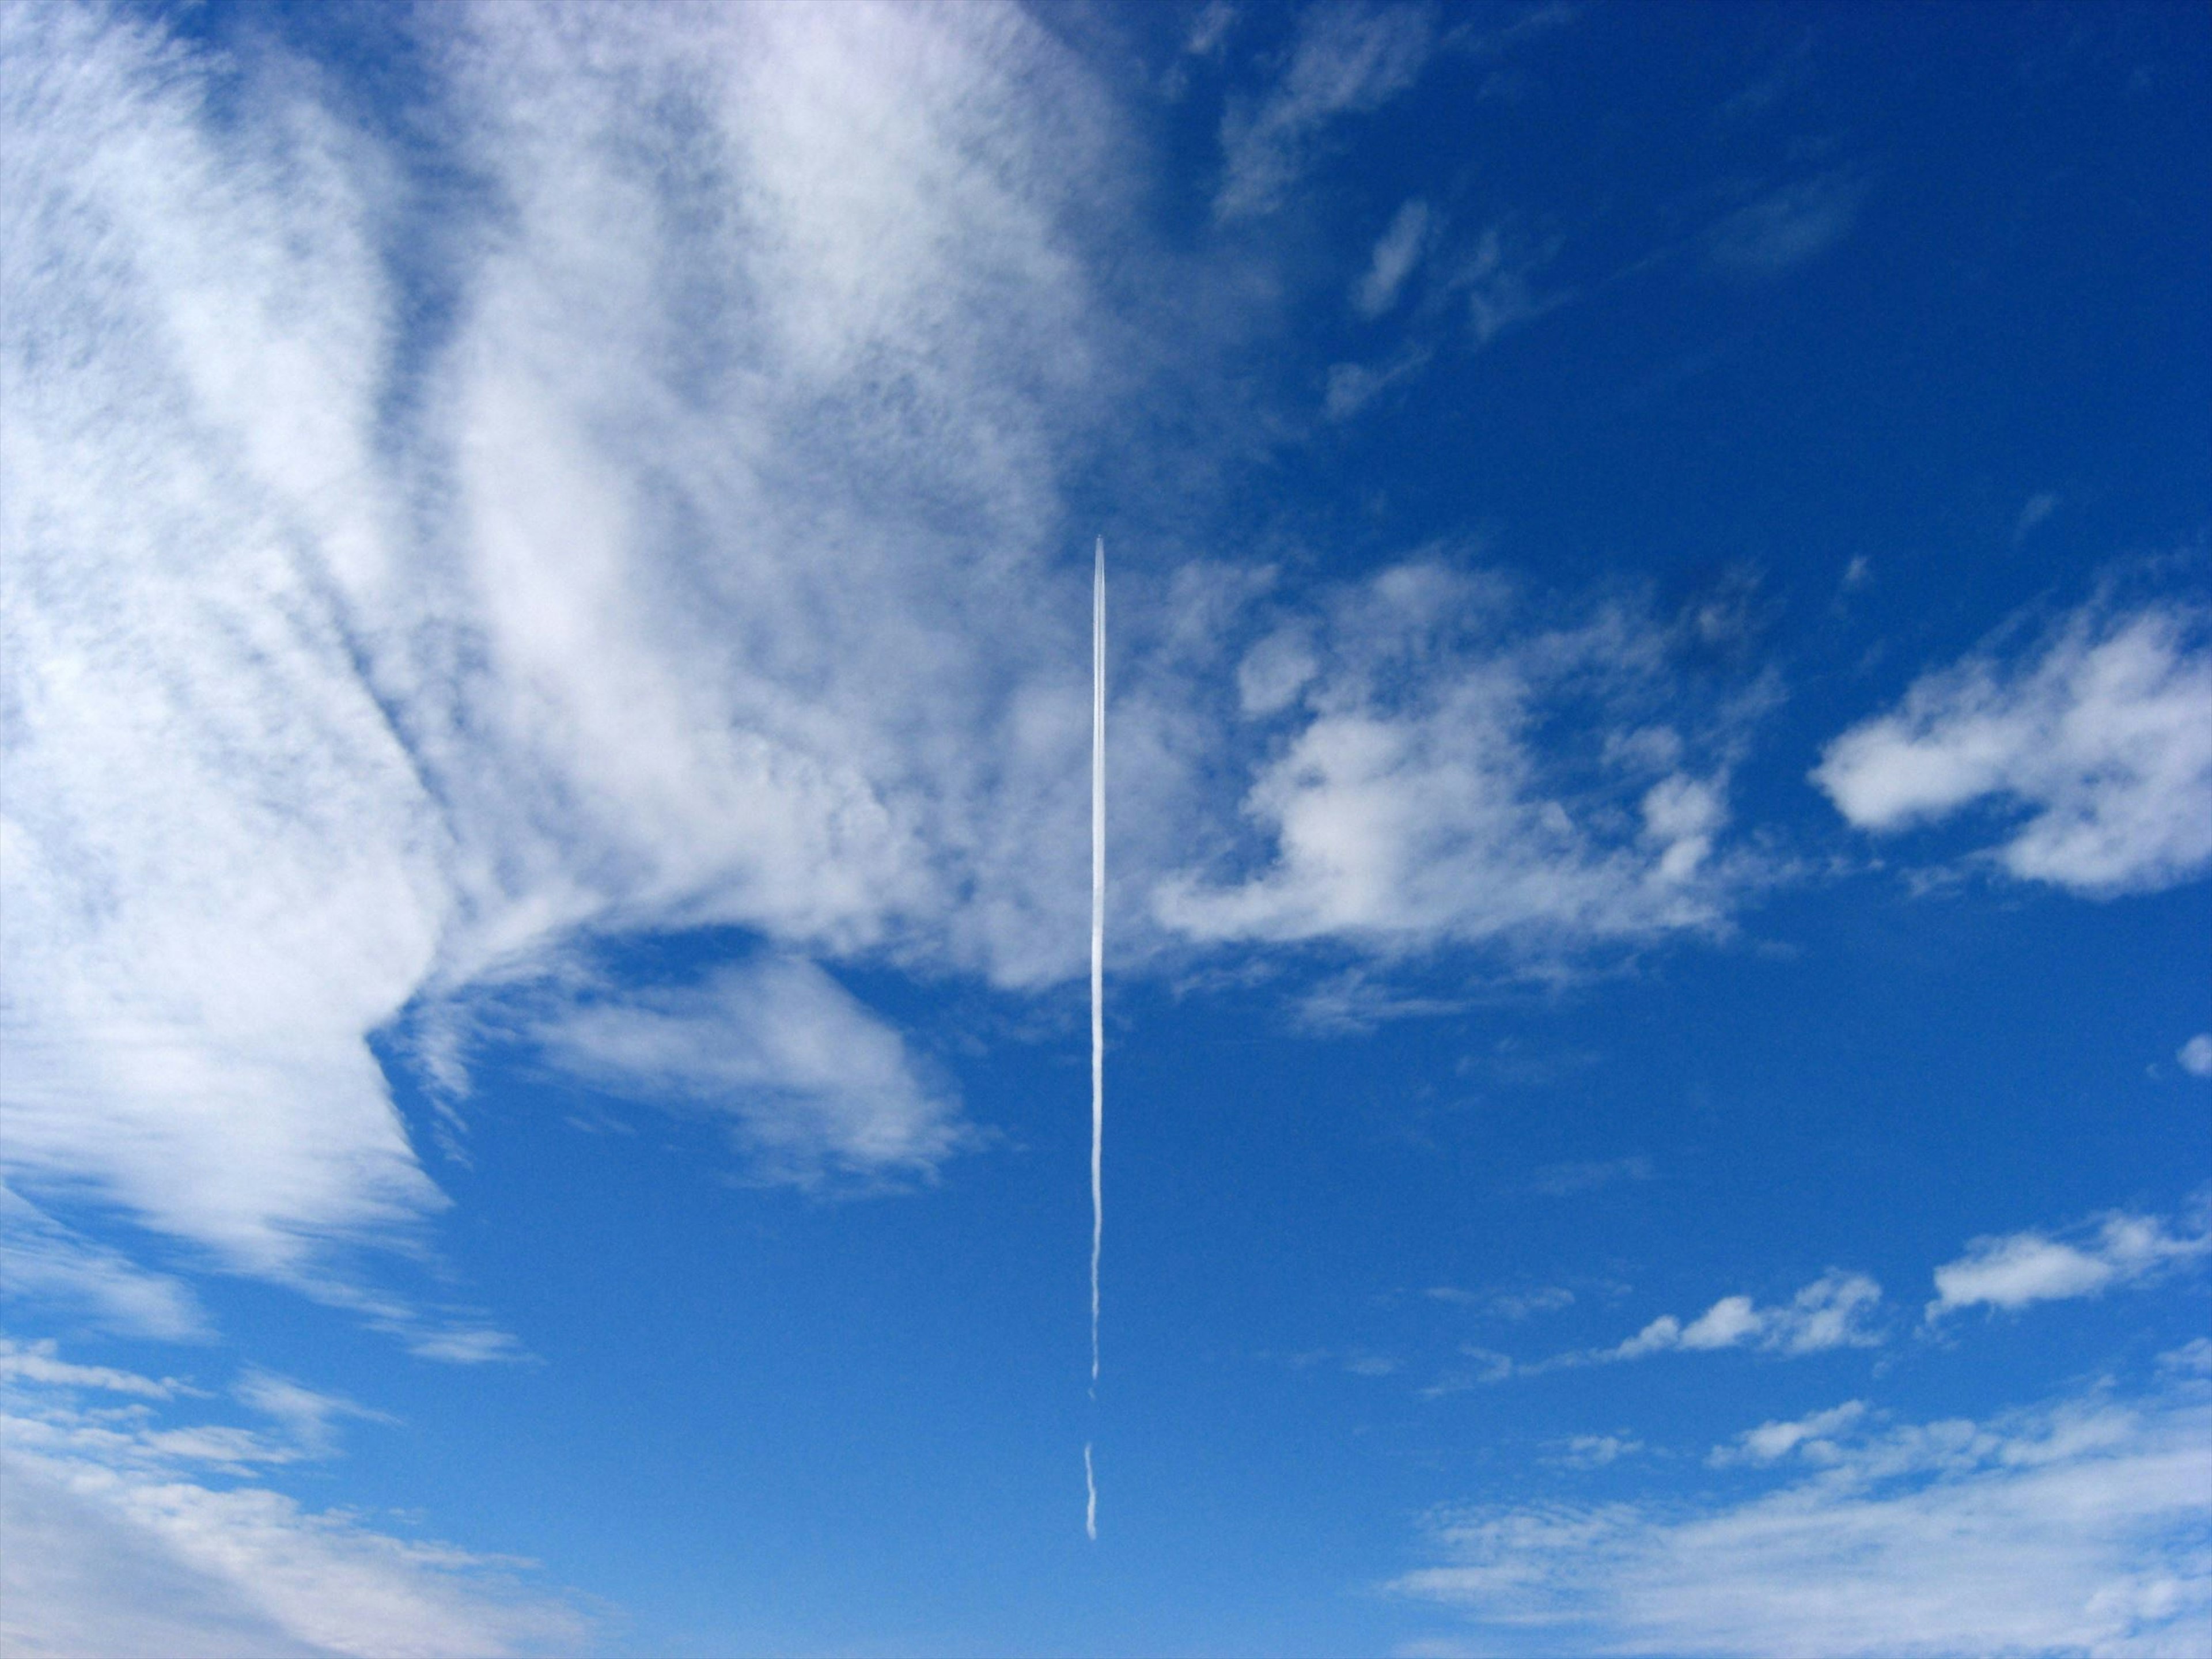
[(1397, 253), (1788, 226), (1347, 59), (1499, 278), (1209, 28), (1352, 387), (2102, 735), (1594, 1451), (350, 670), (1412, 807), (1829, 1313), (2195, 1056), (1356, 1001), (58, 1269), (38, 1362), (2040, 506), (2015, 1269), (117, 1543), (309, 1417), (2078, 1526), (1524, 1304), (1565, 1180), (813, 1082), (1812, 1437)]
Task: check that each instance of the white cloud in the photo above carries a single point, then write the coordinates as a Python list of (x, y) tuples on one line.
[(1210, 28), (1347, 59), (57, 1268), (1523, 1305), (1832, 1312), (1352, 387), (1594, 1451), (814, 1082), (694, 577), (2102, 736), (1397, 253), (1500, 279), (1564, 1180), (1811, 1436), (2195, 1056), (117, 1543), (2076, 1527), (1788, 225), (2018, 1268), (37, 1362), (1413, 805), (307, 1416), (2039, 507)]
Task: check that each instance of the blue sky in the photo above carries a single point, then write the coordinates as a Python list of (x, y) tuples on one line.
[(1659, 1078)]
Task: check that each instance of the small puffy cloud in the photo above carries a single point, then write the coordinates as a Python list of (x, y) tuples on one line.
[(1347, 59), (1594, 1451), (2016, 1269), (2076, 1527), (1397, 253), (1436, 788), (1812, 1436), (814, 1082), (1832, 1312), (2195, 1056), (2101, 737)]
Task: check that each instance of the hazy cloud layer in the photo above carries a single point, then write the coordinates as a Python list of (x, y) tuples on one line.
[(2078, 1526), (119, 1541), (697, 575)]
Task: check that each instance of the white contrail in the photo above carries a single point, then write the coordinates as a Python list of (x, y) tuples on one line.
[(1090, 1496), (1097, 938)]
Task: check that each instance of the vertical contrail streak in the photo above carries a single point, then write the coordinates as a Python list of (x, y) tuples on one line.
[(1090, 1496), (1097, 937)]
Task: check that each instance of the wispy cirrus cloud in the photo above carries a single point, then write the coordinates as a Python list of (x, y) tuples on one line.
[(121, 1540), (356, 662), (1346, 59), (1788, 225), (57, 1270), (2098, 736), (2074, 1526)]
